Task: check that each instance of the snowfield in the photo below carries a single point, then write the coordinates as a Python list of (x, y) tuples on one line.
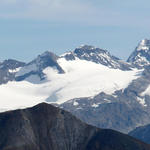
[(81, 79)]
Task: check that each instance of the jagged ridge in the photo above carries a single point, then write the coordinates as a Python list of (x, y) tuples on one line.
[(141, 56), (97, 55)]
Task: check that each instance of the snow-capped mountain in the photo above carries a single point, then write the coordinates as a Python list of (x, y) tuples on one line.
[(122, 110), (97, 55), (34, 69), (8, 69), (141, 56), (57, 79), (81, 78), (89, 82)]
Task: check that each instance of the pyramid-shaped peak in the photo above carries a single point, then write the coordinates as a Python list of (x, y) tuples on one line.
[(47, 53), (46, 56), (86, 47), (145, 42), (144, 45), (140, 57)]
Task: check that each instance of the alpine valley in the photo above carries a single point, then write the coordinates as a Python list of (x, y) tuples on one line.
[(95, 86)]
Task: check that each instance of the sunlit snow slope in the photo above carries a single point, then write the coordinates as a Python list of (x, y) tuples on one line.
[(81, 79)]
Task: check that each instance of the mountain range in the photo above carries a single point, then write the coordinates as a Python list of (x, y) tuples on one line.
[(89, 82)]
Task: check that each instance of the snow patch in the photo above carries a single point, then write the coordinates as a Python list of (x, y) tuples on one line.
[(95, 105), (14, 70), (115, 96), (75, 103), (107, 101), (141, 101)]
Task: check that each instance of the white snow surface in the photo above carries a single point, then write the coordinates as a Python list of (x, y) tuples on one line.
[(95, 105), (75, 103), (141, 101), (81, 79), (16, 95), (14, 70)]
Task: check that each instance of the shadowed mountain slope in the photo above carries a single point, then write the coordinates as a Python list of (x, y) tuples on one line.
[(45, 127), (142, 133)]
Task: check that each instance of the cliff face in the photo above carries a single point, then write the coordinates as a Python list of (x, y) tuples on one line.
[(45, 127)]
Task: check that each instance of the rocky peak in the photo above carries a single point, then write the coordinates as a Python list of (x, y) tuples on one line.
[(87, 50), (144, 45), (11, 64), (36, 67), (48, 54), (8, 69), (86, 47), (45, 60), (97, 55), (141, 55)]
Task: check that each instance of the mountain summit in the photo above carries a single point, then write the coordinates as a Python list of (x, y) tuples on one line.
[(144, 45), (8, 69), (97, 55), (36, 67), (141, 55)]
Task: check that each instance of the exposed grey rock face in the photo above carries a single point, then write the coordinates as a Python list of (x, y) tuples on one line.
[(45, 127), (99, 56), (142, 133), (8, 69), (123, 111), (141, 56), (36, 67)]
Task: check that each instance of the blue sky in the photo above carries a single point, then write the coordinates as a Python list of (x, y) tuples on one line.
[(30, 27)]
